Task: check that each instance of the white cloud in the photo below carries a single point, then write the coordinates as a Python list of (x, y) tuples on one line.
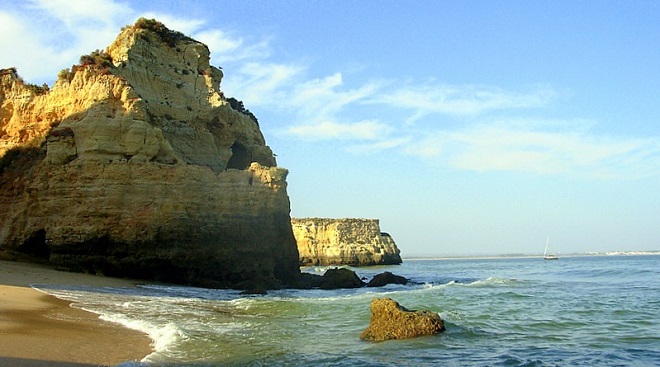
[(226, 48), (261, 84), (317, 99), (324, 98), (460, 100), (218, 41), (17, 43), (363, 130), (498, 148), (46, 36), (429, 147), (74, 14), (379, 146), (314, 104)]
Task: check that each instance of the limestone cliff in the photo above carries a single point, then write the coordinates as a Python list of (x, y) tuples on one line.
[(356, 242), (135, 164)]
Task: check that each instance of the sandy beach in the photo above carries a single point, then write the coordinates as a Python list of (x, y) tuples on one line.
[(38, 330)]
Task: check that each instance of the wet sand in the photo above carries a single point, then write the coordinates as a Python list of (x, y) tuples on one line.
[(39, 330)]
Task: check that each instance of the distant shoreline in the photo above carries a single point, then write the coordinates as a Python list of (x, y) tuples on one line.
[(527, 256)]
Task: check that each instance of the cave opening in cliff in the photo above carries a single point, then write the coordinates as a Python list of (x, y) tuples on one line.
[(240, 157), (36, 245)]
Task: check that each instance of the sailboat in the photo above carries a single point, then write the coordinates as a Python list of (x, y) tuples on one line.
[(546, 255)]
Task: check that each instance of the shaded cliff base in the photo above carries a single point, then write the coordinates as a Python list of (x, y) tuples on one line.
[(38, 330)]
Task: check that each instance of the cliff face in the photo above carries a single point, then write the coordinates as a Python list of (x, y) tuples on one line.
[(356, 242), (135, 164)]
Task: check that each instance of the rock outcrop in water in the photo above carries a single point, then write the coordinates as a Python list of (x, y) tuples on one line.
[(385, 278), (389, 320), (354, 242), (338, 278), (135, 164)]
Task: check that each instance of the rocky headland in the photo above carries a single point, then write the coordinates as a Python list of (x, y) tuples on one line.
[(347, 241), (134, 164)]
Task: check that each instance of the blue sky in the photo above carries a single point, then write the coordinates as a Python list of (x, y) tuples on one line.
[(466, 127)]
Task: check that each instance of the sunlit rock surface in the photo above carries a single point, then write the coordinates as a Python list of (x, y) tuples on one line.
[(389, 320), (135, 164), (348, 241)]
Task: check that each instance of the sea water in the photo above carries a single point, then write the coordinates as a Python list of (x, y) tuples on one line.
[(575, 311)]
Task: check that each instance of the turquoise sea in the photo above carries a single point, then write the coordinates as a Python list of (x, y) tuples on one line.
[(576, 311)]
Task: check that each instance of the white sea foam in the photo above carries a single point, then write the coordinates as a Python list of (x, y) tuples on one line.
[(191, 292), (491, 281), (487, 305), (452, 315), (323, 269), (163, 336), (131, 364), (111, 305)]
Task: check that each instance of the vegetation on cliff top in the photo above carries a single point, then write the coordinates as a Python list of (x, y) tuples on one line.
[(102, 61), (238, 106), (166, 35), (36, 89), (97, 59)]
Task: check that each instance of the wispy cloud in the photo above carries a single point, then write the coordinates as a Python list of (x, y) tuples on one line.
[(579, 154), (460, 100), (227, 48), (321, 105), (75, 14), (324, 130), (327, 96), (262, 84), (317, 106), (489, 128), (46, 36), (28, 52), (477, 142), (379, 146)]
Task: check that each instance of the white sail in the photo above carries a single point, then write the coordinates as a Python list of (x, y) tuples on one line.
[(546, 255)]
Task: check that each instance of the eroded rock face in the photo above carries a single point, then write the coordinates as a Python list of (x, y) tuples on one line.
[(389, 320), (355, 242), (142, 168)]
